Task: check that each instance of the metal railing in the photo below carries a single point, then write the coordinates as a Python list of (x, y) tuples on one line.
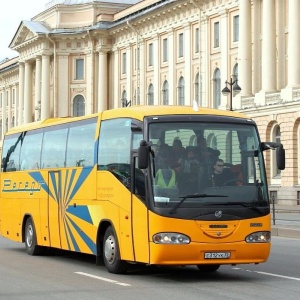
[(286, 210)]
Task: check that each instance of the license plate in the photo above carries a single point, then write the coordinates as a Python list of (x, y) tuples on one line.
[(216, 255)]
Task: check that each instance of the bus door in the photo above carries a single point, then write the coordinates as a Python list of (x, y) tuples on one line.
[(139, 214), (54, 208)]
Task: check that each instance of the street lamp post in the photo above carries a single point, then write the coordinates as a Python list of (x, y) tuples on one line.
[(234, 89)]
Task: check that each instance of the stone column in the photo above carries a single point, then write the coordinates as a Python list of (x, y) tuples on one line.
[(269, 47), (102, 81), (294, 44), (245, 48), (117, 92), (225, 75), (256, 46), (281, 59), (21, 92), (28, 93), (37, 100), (187, 67), (156, 71), (171, 75), (45, 101)]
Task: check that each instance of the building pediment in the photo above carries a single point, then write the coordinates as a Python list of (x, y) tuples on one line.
[(27, 32)]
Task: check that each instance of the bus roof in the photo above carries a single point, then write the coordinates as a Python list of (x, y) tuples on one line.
[(136, 112), (139, 112)]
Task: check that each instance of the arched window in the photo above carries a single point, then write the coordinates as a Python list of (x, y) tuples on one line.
[(150, 94), (217, 88), (276, 137), (165, 91), (235, 72), (197, 90), (78, 106), (124, 99), (181, 91), (138, 98)]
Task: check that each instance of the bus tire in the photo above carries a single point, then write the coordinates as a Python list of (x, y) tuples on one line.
[(208, 268), (30, 239), (111, 253)]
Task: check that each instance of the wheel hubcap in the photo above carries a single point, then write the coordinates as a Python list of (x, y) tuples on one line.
[(29, 236), (110, 249)]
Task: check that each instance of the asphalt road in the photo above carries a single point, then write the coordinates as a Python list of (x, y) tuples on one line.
[(72, 276)]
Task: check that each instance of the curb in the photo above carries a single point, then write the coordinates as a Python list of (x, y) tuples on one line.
[(285, 232)]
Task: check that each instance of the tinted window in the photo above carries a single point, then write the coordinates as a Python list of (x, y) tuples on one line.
[(31, 149), (11, 153), (81, 144), (54, 147)]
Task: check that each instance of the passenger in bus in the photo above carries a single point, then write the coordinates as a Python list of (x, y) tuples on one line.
[(188, 173), (178, 151), (163, 159), (206, 154), (219, 176)]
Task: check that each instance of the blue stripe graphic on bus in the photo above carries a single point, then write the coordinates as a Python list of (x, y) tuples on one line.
[(82, 212), (37, 176), (83, 175), (62, 188), (84, 237)]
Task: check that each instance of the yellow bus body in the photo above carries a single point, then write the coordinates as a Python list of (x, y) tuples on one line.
[(68, 206)]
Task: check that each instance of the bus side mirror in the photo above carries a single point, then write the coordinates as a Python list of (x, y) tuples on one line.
[(280, 157), (143, 155)]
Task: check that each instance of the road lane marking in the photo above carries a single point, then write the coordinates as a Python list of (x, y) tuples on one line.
[(103, 279), (269, 274)]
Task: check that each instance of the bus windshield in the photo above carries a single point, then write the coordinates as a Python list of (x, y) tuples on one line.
[(204, 164)]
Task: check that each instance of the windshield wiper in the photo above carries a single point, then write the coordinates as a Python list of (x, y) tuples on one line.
[(195, 196)]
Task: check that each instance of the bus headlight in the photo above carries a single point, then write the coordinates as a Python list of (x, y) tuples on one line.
[(170, 238), (259, 237)]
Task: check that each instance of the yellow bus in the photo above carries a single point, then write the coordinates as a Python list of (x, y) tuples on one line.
[(113, 185)]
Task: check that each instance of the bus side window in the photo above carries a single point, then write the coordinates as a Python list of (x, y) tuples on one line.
[(115, 136), (81, 144)]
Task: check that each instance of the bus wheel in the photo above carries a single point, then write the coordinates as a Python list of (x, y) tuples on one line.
[(111, 253), (30, 239), (208, 268)]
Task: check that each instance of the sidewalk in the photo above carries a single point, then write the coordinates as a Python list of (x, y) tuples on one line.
[(287, 221)]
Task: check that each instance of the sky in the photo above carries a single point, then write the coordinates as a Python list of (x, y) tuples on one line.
[(12, 12)]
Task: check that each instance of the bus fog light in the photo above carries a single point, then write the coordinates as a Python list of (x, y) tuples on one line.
[(170, 238), (259, 237)]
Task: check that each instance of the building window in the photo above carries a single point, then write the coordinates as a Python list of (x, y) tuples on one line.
[(181, 91), (235, 72), (137, 59), (180, 45), (124, 63), (78, 106), (124, 99), (138, 96), (216, 34), (165, 91), (151, 95), (217, 88), (197, 40), (79, 72), (197, 86), (14, 96), (273, 197), (7, 98), (236, 23), (0, 99), (165, 50), (276, 139), (150, 55)]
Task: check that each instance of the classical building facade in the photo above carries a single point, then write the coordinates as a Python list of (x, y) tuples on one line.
[(80, 57)]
